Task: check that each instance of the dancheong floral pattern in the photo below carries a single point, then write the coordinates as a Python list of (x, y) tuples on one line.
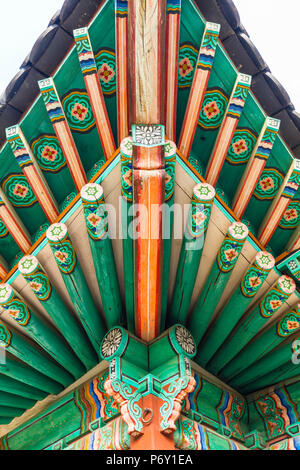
[(291, 217), (106, 65), (5, 336), (78, 111), (213, 109), (48, 153), (241, 146), (18, 191), (3, 230), (268, 184), (187, 61)]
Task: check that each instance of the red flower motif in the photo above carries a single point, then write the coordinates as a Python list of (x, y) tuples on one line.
[(185, 67), (79, 111), (106, 73), (211, 109), (239, 146), (266, 183), (290, 214), (20, 190), (49, 153)]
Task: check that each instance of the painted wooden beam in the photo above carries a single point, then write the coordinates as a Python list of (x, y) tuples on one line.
[(253, 321), (127, 225), (287, 325), (121, 13), (14, 225), (294, 242), (172, 48), (148, 196), (167, 225), (3, 268), (198, 88), (280, 204), (23, 373), (11, 412), (270, 367), (15, 387), (43, 334), (93, 87), (62, 131), (19, 347), (255, 166), (217, 280), (275, 376), (191, 251), (31, 171), (146, 27), (146, 23), (46, 293), (96, 219), (251, 282), (75, 282), (231, 118), (15, 401)]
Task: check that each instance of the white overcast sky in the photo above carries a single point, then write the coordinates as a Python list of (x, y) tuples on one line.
[(22, 21), (273, 26)]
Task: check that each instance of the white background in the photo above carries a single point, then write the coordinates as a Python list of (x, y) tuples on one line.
[(274, 28), (22, 22), (273, 25)]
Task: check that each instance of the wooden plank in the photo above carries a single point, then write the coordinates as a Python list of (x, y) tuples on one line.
[(93, 87), (228, 127), (147, 22), (172, 46), (32, 172), (280, 204), (121, 13), (62, 131), (198, 88), (255, 166)]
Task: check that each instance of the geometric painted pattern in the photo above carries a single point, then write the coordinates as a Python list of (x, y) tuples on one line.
[(106, 65), (78, 111), (241, 146), (48, 153), (291, 217), (18, 190), (3, 230), (269, 183), (277, 410), (213, 109), (187, 61)]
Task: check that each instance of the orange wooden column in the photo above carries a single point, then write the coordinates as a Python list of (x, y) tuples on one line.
[(148, 194), (152, 437), (228, 127), (62, 131), (121, 12), (93, 87), (201, 76), (14, 225), (280, 204), (26, 161), (172, 47), (255, 166), (146, 25)]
